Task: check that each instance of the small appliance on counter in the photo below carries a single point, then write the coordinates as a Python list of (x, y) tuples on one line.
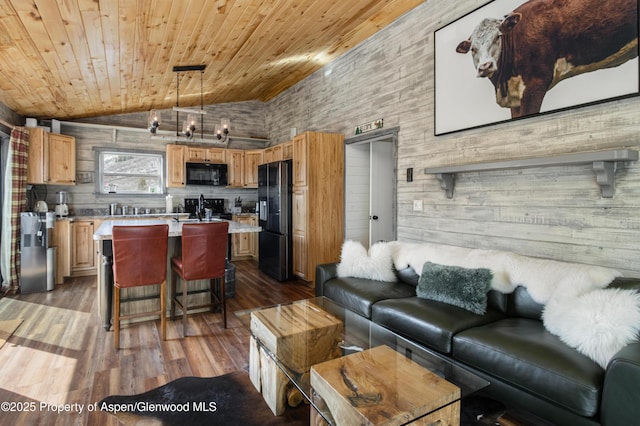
[(62, 209), (41, 207)]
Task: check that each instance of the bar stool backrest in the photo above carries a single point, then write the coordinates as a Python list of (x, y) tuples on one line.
[(204, 250), (139, 255)]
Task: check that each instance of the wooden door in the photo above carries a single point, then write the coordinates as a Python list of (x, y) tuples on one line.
[(300, 242), (82, 252), (195, 154), (36, 158), (252, 159), (287, 150), (216, 155), (300, 148), (175, 166), (235, 161), (62, 159)]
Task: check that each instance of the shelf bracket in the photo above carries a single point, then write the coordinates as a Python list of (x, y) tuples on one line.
[(447, 182), (605, 177)]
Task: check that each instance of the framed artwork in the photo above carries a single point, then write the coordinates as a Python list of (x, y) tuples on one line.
[(512, 59)]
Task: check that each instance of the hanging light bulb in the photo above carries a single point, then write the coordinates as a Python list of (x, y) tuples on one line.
[(223, 128), (154, 121), (186, 129), (191, 118), (226, 125)]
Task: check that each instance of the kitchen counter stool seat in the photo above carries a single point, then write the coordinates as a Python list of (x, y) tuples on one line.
[(139, 259), (204, 256)]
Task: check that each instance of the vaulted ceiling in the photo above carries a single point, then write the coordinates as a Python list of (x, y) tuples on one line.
[(69, 59)]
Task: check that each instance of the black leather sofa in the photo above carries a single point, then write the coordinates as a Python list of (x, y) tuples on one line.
[(529, 368)]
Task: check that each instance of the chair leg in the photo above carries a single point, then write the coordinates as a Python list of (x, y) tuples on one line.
[(172, 302), (223, 298), (163, 309), (184, 307), (116, 318)]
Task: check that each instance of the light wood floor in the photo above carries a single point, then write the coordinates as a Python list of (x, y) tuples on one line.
[(62, 355)]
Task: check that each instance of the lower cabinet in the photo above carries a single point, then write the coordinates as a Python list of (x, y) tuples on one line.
[(75, 248), (83, 258), (245, 245)]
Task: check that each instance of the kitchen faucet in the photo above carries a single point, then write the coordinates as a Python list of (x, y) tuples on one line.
[(201, 207)]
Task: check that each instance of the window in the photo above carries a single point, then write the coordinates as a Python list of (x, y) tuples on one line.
[(130, 172)]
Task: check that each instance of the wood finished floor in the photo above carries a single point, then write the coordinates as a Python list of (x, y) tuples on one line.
[(62, 355)]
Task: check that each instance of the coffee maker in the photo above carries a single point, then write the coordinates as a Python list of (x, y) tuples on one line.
[(62, 210)]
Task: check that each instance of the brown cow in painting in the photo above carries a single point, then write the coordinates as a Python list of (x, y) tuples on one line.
[(543, 42)]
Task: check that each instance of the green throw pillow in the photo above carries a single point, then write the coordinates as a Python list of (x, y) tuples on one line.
[(461, 287)]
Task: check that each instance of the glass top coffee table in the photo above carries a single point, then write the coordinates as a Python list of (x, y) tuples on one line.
[(349, 368)]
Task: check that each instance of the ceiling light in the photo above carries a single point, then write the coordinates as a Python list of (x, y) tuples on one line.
[(188, 130)]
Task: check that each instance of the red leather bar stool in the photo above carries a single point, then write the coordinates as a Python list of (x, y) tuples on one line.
[(204, 254), (139, 259)]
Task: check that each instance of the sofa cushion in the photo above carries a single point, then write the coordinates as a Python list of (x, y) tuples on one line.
[(428, 322), (359, 294), (462, 287), (521, 352)]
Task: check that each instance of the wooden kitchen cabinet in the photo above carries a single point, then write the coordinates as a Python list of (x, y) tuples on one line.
[(176, 168), (287, 150), (244, 245), (252, 158), (318, 201), (235, 168), (204, 155), (61, 239), (83, 259), (273, 153), (51, 158)]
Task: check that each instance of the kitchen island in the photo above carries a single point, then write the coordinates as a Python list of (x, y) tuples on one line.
[(141, 299)]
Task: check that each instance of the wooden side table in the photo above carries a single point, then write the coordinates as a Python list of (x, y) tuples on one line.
[(380, 386), (289, 337)]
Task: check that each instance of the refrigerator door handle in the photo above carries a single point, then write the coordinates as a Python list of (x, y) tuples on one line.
[(263, 210)]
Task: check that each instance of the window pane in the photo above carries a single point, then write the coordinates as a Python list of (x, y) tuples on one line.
[(131, 173), (132, 163)]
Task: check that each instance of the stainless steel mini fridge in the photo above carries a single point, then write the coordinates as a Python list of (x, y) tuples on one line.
[(37, 257), (274, 200)]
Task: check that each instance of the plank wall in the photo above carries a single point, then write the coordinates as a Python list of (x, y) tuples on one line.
[(553, 212), (247, 119)]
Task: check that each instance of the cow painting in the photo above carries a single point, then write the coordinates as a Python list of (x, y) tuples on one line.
[(543, 42)]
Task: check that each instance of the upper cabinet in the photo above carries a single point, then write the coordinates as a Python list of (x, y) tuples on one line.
[(287, 150), (252, 158), (52, 158), (204, 155), (235, 168), (175, 166), (273, 153)]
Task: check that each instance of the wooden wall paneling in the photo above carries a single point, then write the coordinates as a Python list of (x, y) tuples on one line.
[(556, 213)]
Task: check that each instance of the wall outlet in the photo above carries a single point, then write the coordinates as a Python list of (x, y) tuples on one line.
[(417, 205)]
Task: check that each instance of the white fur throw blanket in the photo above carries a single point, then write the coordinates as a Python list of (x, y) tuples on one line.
[(596, 321)]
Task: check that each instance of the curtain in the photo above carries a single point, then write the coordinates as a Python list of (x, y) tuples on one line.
[(15, 202)]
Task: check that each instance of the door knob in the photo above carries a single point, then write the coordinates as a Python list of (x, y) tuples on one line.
[(374, 217)]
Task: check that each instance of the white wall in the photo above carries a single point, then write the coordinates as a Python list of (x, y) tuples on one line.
[(554, 212)]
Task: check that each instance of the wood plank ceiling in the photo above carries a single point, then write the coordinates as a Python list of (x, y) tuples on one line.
[(69, 59)]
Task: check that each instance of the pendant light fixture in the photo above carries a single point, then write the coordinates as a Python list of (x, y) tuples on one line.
[(185, 131)]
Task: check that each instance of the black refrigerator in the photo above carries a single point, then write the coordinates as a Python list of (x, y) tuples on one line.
[(274, 202)]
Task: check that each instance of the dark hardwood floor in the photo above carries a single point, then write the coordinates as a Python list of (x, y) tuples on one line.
[(61, 354)]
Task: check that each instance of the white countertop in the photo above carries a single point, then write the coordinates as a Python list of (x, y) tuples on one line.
[(105, 231)]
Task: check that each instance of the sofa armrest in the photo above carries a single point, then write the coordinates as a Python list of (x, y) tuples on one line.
[(621, 392), (324, 273)]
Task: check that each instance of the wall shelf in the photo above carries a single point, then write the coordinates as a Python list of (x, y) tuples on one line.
[(604, 165)]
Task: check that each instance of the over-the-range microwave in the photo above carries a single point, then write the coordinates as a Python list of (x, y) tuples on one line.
[(206, 174)]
